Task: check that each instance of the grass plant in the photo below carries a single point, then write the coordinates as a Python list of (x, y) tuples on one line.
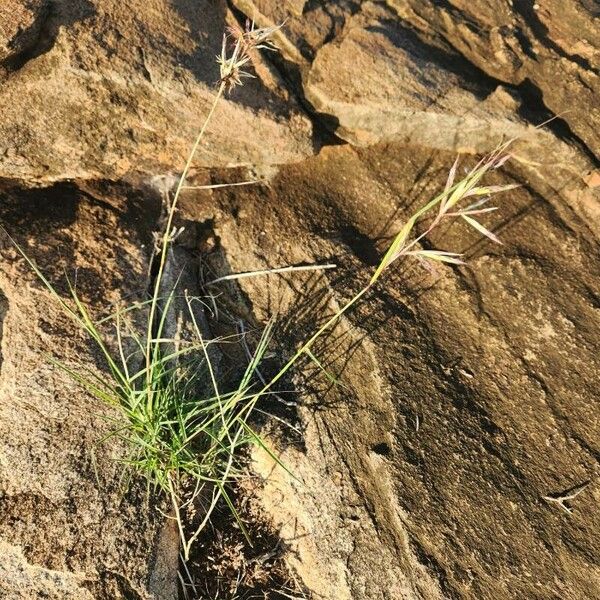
[(184, 427)]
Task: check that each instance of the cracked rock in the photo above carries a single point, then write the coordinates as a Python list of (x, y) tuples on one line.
[(140, 83)]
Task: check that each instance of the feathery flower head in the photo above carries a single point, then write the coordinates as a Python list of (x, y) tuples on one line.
[(236, 51)]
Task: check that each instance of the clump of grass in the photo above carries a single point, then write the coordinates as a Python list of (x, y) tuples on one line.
[(185, 445), (184, 428)]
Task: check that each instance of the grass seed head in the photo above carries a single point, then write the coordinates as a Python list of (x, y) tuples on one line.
[(236, 52)]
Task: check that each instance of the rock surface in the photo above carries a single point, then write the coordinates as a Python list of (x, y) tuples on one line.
[(551, 47), (21, 580), (67, 527), (468, 395), (118, 88), (379, 74), (348, 50), (20, 25), (470, 401)]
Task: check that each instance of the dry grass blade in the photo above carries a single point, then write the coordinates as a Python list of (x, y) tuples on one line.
[(479, 227), (216, 186), (279, 270)]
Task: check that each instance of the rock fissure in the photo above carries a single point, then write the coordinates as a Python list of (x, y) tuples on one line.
[(3, 312), (526, 8)]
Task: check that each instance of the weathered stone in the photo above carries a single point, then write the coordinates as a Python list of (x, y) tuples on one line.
[(124, 88), (551, 46), (379, 77), (20, 24), (468, 394), (465, 396), (548, 48), (69, 527), (20, 580)]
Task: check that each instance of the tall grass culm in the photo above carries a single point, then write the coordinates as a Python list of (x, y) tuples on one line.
[(188, 446)]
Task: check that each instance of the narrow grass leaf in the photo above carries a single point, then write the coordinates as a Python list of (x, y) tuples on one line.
[(325, 372), (479, 227), (257, 440), (439, 255), (490, 189)]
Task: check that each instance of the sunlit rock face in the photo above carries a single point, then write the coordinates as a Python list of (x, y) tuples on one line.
[(465, 405)]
